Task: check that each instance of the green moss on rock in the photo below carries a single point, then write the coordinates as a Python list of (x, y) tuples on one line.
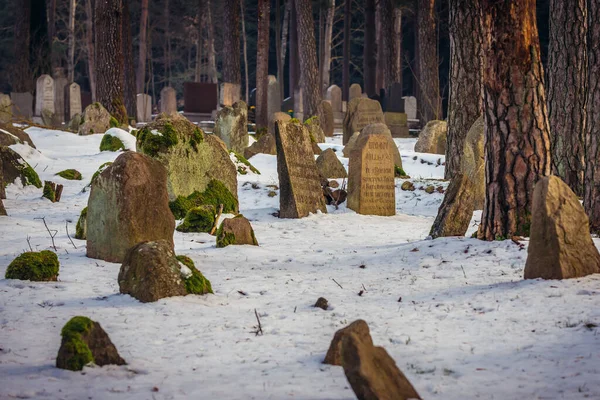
[(197, 283), (153, 143), (247, 163), (34, 266), (81, 227), (196, 139), (399, 172), (180, 206), (49, 191), (113, 122), (31, 177), (111, 143), (224, 239), (216, 194), (70, 174), (79, 353), (198, 219)]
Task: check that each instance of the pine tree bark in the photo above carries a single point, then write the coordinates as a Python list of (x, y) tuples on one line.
[(262, 64), (591, 199), (309, 68), (129, 82), (430, 102), (245, 43), (567, 66), (370, 49), (346, 51), (465, 104), (327, 35), (391, 20), (210, 44), (89, 42), (143, 57), (22, 79), (109, 52), (517, 134), (284, 38), (294, 68), (232, 71), (71, 55)]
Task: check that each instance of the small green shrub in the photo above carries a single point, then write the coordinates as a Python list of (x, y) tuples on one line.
[(197, 283), (198, 219), (111, 143), (73, 343), (70, 174), (34, 266)]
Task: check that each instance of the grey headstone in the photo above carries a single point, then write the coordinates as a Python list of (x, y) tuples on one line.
[(410, 107), (44, 95), (168, 100), (144, 108), (334, 95), (59, 99), (22, 104), (274, 96), (72, 100), (355, 91)]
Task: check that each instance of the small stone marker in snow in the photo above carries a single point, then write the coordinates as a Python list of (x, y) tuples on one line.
[(334, 95), (44, 95), (22, 104), (410, 107), (144, 108), (72, 100), (300, 189), (229, 94), (432, 138), (96, 119), (168, 100), (371, 188), (361, 112), (560, 246), (355, 91)]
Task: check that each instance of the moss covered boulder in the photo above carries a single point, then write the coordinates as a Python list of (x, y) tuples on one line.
[(315, 130), (14, 167), (231, 126), (111, 143), (215, 195), (85, 342), (191, 157), (243, 166), (198, 219), (34, 266), (236, 231), (10, 135), (432, 138), (151, 271), (329, 165), (128, 204), (95, 119), (81, 227), (70, 174)]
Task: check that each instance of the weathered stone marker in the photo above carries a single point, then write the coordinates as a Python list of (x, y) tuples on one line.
[(231, 126), (72, 100), (273, 96), (44, 95), (361, 112), (168, 100), (144, 107), (334, 95), (5, 108), (371, 188), (355, 91), (60, 83), (229, 94), (300, 189)]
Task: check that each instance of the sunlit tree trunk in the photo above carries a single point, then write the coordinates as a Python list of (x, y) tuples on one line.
[(370, 49), (143, 56), (430, 102), (346, 51), (231, 42), (309, 68), (262, 64), (91, 51)]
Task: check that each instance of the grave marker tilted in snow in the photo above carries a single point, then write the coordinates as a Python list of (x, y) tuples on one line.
[(300, 188), (371, 188)]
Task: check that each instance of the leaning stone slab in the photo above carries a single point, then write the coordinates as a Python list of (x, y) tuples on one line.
[(334, 354)]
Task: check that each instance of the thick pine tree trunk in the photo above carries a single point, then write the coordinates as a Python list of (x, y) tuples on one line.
[(430, 102), (294, 69), (232, 71), (326, 64), (245, 45), (129, 82), (390, 50), (591, 199), (309, 68), (262, 64), (210, 48), (143, 57), (22, 80), (567, 65), (284, 40), (89, 42), (71, 55), (517, 134), (370, 49), (109, 53), (465, 103), (346, 51)]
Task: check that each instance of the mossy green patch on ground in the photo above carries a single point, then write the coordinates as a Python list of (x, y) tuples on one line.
[(34, 266), (399, 172), (196, 139), (240, 158), (72, 342), (31, 177), (216, 194), (80, 228), (113, 122), (198, 219), (111, 143), (197, 283), (180, 206), (152, 143), (49, 191), (70, 174)]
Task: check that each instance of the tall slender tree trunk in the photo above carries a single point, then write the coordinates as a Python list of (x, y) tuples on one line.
[(327, 36), (430, 101), (294, 69), (391, 23), (370, 49), (109, 50), (262, 64), (591, 199), (231, 42), (396, 48), (22, 78), (167, 51), (245, 42), (346, 50), (91, 50), (466, 98), (380, 70), (210, 44), (40, 55), (278, 49), (71, 53), (52, 32), (567, 66), (517, 134), (143, 58), (284, 39), (129, 83), (309, 68), (199, 40)]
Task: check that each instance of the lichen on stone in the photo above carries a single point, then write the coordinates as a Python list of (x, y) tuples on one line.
[(180, 206), (80, 228), (34, 266), (49, 191), (70, 174), (198, 219), (152, 143), (196, 283), (216, 194), (113, 122), (111, 143), (399, 172)]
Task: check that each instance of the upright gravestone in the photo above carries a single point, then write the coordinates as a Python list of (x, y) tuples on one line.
[(229, 93), (60, 82), (231, 126), (22, 104), (371, 188), (361, 112), (300, 188), (168, 100), (273, 96), (327, 120), (44, 95), (72, 100), (298, 105), (334, 95), (5, 108), (410, 107), (355, 91), (398, 124), (394, 101), (144, 108)]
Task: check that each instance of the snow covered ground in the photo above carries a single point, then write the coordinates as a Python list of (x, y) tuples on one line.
[(454, 313)]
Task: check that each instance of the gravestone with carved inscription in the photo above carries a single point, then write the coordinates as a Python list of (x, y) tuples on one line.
[(299, 183), (44, 95), (334, 95), (72, 100), (361, 112), (371, 188)]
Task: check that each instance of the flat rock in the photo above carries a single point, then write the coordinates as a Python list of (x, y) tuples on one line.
[(265, 145), (334, 354), (329, 165), (236, 231), (432, 138)]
